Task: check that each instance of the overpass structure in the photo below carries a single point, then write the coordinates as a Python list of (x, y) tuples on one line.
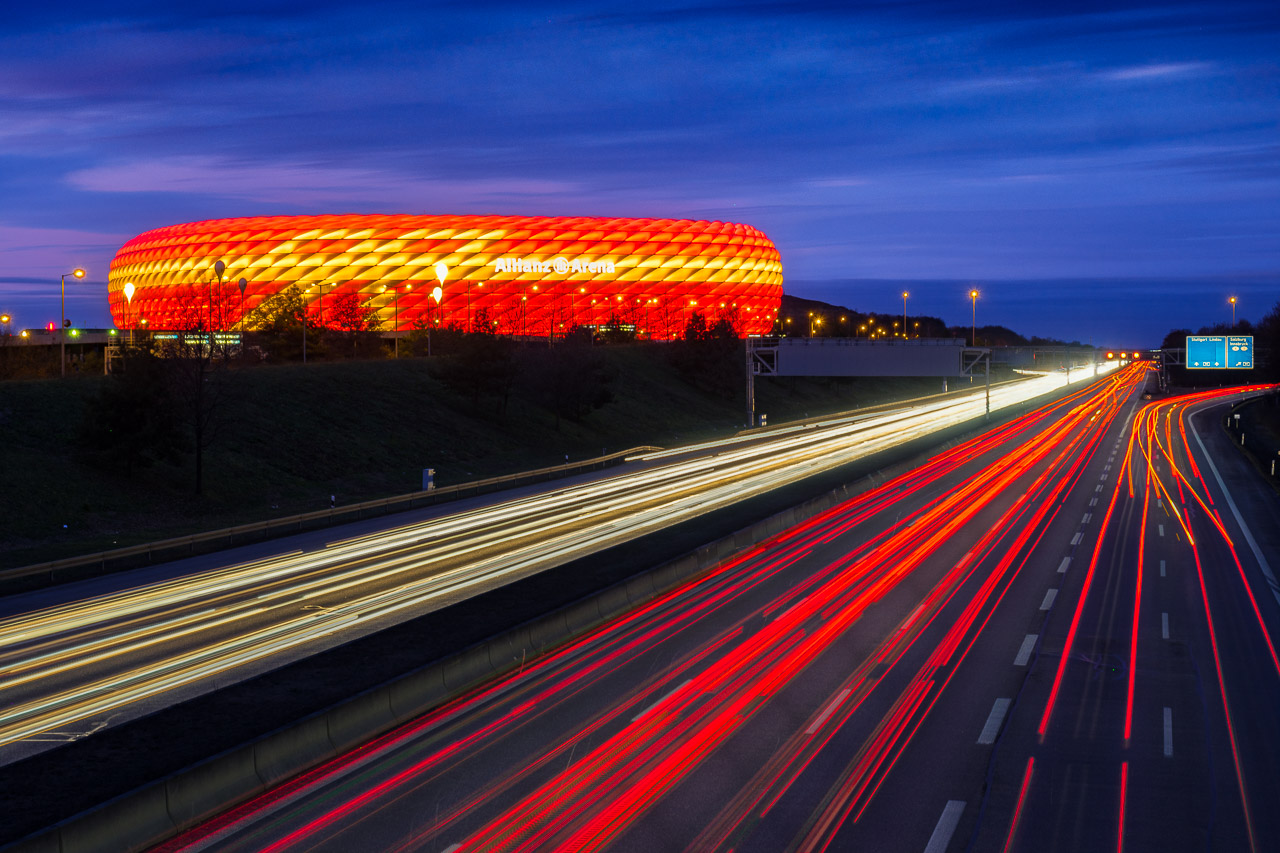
[(940, 357)]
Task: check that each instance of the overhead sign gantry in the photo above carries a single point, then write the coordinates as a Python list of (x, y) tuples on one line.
[(1215, 352)]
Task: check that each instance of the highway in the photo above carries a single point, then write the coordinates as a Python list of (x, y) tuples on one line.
[(72, 668), (1050, 637)]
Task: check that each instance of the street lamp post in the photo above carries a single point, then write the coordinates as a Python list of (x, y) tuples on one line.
[(304, 325), (396, 323), (128, 301), (973, 294), (437, 293), (1232, 300), (62, 335), (219, 269), (905, 294)]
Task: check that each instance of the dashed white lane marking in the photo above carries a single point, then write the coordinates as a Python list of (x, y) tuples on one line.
[(1160, 503), (1164, 626), (664, 698), (1162, 568), (1075, 540), (828, 711), (946, 827), (1161, 528), (1098, 489), (1062, 569), (1103, 477), (1168, 732), (1049, 596), (1024, 652), (994, 721), (453, 847), (1093, 501), (1087, 517)]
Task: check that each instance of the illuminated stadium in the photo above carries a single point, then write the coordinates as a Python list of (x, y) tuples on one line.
[(516, 275)]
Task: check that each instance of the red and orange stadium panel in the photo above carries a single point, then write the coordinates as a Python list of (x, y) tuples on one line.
[(518, 275)]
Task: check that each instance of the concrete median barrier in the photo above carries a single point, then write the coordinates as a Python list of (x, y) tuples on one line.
[(356, 721), (207, 787), (467, 667), (640, 589), (132, 822), (278, 756), (508, 649), (423, 689)]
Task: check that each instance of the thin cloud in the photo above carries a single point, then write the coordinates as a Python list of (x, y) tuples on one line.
[(294, 182), (1157, 70)]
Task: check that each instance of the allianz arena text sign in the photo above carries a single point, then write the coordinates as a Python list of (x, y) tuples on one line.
[(560, 266)]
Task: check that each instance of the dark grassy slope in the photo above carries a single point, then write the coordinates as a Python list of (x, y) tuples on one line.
[(294, 435)]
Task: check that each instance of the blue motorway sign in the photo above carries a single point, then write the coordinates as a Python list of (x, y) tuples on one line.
[(1219, 351), (1240, 351)]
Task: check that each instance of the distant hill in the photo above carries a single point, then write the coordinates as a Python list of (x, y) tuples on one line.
[(804, 317)]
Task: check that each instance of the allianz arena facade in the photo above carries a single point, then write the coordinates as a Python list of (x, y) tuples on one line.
[(517, 275)]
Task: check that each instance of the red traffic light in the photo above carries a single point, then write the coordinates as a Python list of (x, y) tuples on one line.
[(50, 327)]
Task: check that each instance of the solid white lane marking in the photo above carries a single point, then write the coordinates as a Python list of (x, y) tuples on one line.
[(1248, 534), (1066, 561), (946, 827), (1168, 732), (1024, 652), (1162, 568), (1164, 625), (1075, 540), (830, 709), (664, 698), (1161, 527), (994, 720), (1049, 596)]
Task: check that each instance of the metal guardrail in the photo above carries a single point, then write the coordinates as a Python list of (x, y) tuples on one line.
[(117, 559)]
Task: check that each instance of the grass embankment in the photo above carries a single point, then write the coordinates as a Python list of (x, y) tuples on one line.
[(1260, 423), (293, 435)]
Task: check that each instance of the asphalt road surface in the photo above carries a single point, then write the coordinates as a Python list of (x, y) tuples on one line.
[(1057, 636)]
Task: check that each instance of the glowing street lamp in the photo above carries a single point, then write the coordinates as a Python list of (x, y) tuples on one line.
[(905, 294), (973, 294), (1232, 300), (62, 336)]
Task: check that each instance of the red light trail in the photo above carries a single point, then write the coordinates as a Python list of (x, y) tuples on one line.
[(615, 765)]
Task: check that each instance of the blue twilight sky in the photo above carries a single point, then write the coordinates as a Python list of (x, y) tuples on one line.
[(1099, 170)]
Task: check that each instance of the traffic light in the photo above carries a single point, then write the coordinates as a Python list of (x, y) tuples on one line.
[(50, 327)]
